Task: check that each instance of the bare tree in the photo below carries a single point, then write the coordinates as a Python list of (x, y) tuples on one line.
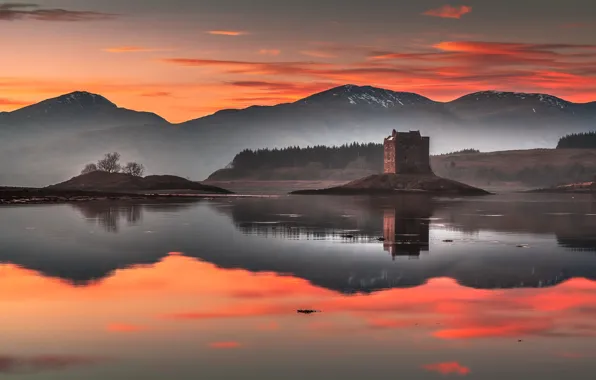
[(134, 168), (110, 163), (89, 168)]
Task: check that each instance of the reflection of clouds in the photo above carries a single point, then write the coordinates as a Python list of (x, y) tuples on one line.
[(224, 345), (448, 368), (41, 363), (441, 308), (124, 328)]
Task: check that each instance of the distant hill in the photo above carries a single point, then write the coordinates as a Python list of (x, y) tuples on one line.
[(75, 112), (120, 182), (55, 138)]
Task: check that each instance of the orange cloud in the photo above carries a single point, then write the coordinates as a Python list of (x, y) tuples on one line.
[(447, 368), (124, 328), (127, 49), (156, 94), (227, 32), (273, 52), (13, 102), (224, 345), (453, 69), (448, 11), (20, 11), (252, 68), (290, 89), (317, 54)]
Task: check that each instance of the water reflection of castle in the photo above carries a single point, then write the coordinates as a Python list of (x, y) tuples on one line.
[(404, 235)]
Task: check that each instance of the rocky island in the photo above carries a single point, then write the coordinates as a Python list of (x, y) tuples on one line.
[(581, 188), (101, 185), (406, 170)]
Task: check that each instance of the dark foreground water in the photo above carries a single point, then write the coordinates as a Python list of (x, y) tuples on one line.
[(485, 288)]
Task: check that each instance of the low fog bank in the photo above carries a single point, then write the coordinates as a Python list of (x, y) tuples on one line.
[(45, 158)]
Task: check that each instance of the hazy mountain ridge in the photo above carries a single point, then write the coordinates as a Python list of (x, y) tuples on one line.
[(64, 133), (77, 111)]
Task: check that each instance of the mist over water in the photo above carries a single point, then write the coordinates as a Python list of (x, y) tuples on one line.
[(458, 286)]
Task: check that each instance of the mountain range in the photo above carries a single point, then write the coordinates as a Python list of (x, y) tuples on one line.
[(55, 138)]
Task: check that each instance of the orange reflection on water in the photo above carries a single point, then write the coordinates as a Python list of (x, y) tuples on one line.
[(448, 368), (224, 345), (179, 292), (124, 328)]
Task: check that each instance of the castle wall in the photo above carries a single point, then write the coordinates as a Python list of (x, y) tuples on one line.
[(389, 157), (407, 153), (412, 154)]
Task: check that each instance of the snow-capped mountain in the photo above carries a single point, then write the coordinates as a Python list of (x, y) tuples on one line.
[(365, 95), (503, 106), (75, 102), (521, 97)]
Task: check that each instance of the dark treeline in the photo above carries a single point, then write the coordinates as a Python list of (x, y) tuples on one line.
[(578, 141), (463, 151), (329, 157), (336, 157)]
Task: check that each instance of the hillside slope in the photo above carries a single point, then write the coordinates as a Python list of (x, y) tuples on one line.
[(120, 182)]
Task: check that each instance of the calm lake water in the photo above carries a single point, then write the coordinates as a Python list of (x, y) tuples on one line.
[(483, 288)]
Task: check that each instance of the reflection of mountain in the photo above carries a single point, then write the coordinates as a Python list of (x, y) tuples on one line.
[(47, 239), (568, 215), (404, 223), (73, 253), (361, 215), (581, 244)]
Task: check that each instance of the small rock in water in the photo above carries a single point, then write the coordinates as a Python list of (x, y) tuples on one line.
[(381, 239), (307, 311), (447, 241), (347, 236)]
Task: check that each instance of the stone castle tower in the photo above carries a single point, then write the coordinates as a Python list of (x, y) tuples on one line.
[(407, 153)]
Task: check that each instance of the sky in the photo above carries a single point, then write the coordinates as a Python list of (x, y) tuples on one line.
[(184, 59)]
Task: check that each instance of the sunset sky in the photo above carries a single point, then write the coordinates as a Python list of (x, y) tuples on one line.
[(184, 59)]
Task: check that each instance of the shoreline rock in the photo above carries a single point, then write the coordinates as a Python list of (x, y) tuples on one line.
[(388, 184), (42, 196)]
